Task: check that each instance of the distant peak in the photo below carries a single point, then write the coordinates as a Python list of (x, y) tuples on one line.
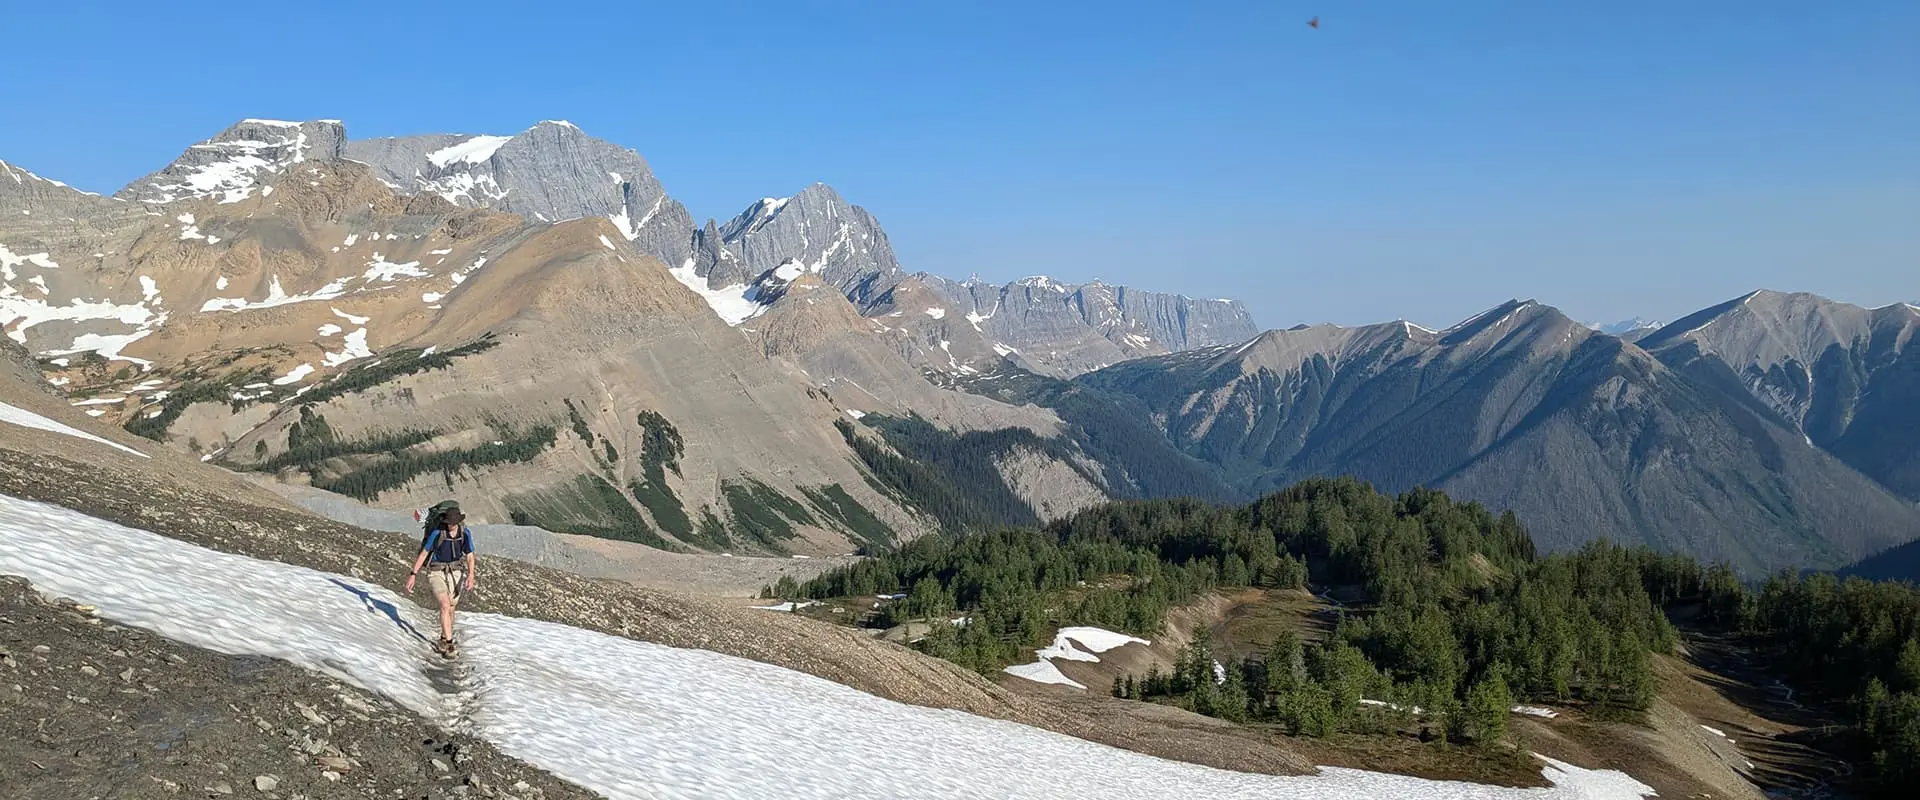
[(281, 123), (1040, 282), (556, 122), (819, 190), (1624, 327), (1511, 314)]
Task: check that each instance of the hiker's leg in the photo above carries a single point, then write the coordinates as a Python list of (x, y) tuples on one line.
[(443, 589), (446, 618)]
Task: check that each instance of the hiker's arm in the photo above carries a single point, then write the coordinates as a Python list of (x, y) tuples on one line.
[(473, 561), (419, 561)]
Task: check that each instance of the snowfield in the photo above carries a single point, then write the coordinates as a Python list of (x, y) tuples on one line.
[(629, 718)]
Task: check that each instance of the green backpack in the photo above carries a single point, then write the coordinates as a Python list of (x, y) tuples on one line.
[(436, 513)]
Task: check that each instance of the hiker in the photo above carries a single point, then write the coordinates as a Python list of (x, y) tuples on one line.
[(446, 550)]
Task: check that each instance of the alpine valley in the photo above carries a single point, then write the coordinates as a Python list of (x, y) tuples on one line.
[(530, 322)]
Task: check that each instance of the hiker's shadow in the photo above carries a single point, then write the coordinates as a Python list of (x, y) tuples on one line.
[(381, 607)]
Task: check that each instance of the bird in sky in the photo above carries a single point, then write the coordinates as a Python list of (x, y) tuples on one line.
[(1314, 23)]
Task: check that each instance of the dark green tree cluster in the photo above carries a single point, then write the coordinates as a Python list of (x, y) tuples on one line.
[(578, 423), (1115, 431), (366, 483), (761, 513), (154, 423), (1450, 607), (1851, 640), (660, 444), (1120, 566), (955, 478), (393, 364), (660, 449)]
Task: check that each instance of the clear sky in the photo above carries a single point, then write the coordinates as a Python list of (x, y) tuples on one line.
[(1408, 159)]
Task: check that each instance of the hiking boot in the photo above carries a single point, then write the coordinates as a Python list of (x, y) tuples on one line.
[(444, 647)]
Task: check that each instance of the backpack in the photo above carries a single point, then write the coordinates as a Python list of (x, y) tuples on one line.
[(436, 513)]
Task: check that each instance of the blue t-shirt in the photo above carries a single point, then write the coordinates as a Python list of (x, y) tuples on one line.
[(446, 549)]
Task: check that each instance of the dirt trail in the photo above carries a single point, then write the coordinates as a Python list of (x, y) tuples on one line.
[(1783, 744)]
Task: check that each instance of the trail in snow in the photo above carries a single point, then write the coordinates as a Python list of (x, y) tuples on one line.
[(629, 718)]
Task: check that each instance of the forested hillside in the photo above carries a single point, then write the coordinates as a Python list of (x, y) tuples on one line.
[(1458, 618)]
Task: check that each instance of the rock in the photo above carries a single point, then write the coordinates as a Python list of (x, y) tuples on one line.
[(266, 783), (335, 763), (442, 765), (41, 649), (89, 671), (221, 787), (126, 676)]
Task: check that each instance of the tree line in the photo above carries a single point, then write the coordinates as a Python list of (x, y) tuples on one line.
[(1451, 616)]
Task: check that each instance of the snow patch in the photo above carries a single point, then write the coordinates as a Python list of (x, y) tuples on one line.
[(855, 413), (380, 269), (605, 241), (734, 304), (28, 419), (461, 276), (294, 375), (431, 297), (974, 318), (1536, 711), (788, 605), (471, 151), (1090, 641), (276, 296), (937, 313), (329, 329), (356, 347)]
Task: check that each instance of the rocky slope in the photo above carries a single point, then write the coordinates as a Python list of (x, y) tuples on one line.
[(1846, 377), (1582, 434), (93, 709)]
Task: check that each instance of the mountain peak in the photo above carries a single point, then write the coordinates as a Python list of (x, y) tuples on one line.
[(233, 163), (22, 175)]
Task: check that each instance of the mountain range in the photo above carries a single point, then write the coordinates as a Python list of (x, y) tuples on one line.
[(533, 324)]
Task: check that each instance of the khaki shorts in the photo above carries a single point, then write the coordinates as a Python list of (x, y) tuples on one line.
[(446, 584)]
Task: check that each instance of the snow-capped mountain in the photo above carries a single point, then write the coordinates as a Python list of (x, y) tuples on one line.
[(1628, 329), (235, 162), (550, 172), (1066, 329)]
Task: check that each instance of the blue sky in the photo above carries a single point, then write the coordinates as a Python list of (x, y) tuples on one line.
[(1407, 159)]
